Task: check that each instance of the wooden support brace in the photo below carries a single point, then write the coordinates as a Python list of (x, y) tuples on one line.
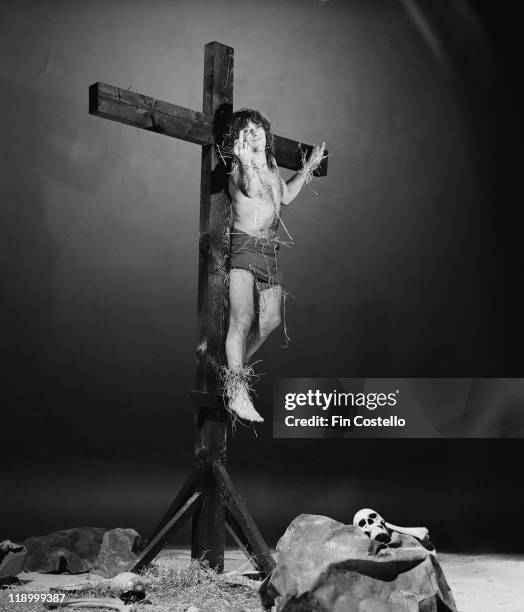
[(155, 545), (235, 531), (246, 532), (187, 489)]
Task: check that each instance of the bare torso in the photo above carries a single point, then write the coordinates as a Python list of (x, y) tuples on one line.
[(258, 215)]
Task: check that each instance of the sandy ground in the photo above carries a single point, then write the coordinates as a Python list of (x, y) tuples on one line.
[(491, 583), (480, 583)]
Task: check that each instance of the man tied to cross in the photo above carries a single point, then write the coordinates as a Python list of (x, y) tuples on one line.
[(257, 192)]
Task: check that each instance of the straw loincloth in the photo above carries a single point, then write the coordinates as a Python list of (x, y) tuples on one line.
[(258, 256)]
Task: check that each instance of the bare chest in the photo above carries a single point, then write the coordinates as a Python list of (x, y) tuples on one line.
[(271, 189)]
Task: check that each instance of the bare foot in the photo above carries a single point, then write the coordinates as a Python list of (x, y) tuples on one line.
[(240, 403)]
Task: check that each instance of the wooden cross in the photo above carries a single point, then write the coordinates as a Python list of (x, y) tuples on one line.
[(208, 496)]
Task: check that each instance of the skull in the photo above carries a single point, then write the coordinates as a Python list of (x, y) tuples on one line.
[(372, 524), (128, 586)]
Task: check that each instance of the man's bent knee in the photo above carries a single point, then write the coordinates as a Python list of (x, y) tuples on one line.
[(270, 323)]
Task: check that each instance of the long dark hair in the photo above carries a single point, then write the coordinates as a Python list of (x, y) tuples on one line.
[(239, 121)]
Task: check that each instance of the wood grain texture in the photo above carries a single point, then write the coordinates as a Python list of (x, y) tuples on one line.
[(215, 220), (148, 113), (208, 526), (208, 536)]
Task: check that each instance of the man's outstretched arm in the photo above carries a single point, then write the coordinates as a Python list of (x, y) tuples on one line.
[(293, 186)]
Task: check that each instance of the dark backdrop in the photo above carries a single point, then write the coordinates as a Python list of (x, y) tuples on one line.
[(406, 263)]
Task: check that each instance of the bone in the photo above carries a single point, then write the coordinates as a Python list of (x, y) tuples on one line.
[(108, 604), (421, 533)]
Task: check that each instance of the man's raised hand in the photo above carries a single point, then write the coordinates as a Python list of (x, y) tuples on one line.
[(242, 150), (315, 157)]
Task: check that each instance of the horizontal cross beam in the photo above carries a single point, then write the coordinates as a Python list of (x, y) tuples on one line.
[(148, 113), (288, 154), (154, 115)]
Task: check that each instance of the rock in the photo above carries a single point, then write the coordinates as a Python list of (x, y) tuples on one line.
[(61, 561), (117, 552), (70, 550), (326, 566), (12, 560), (82, 549)]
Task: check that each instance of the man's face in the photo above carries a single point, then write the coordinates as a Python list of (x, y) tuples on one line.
[(255, 136)]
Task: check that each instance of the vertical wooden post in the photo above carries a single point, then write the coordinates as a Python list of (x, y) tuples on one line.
[(210, 426)]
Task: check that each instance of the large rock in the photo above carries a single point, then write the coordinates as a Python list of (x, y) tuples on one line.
[(117, 552), (326, 566), (70, 550), (12, 561), (83, 549)]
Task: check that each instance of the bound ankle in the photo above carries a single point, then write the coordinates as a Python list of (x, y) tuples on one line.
[(237, 388)]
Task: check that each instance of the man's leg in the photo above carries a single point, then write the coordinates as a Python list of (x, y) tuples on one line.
[(241, 316), (268, 319)]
